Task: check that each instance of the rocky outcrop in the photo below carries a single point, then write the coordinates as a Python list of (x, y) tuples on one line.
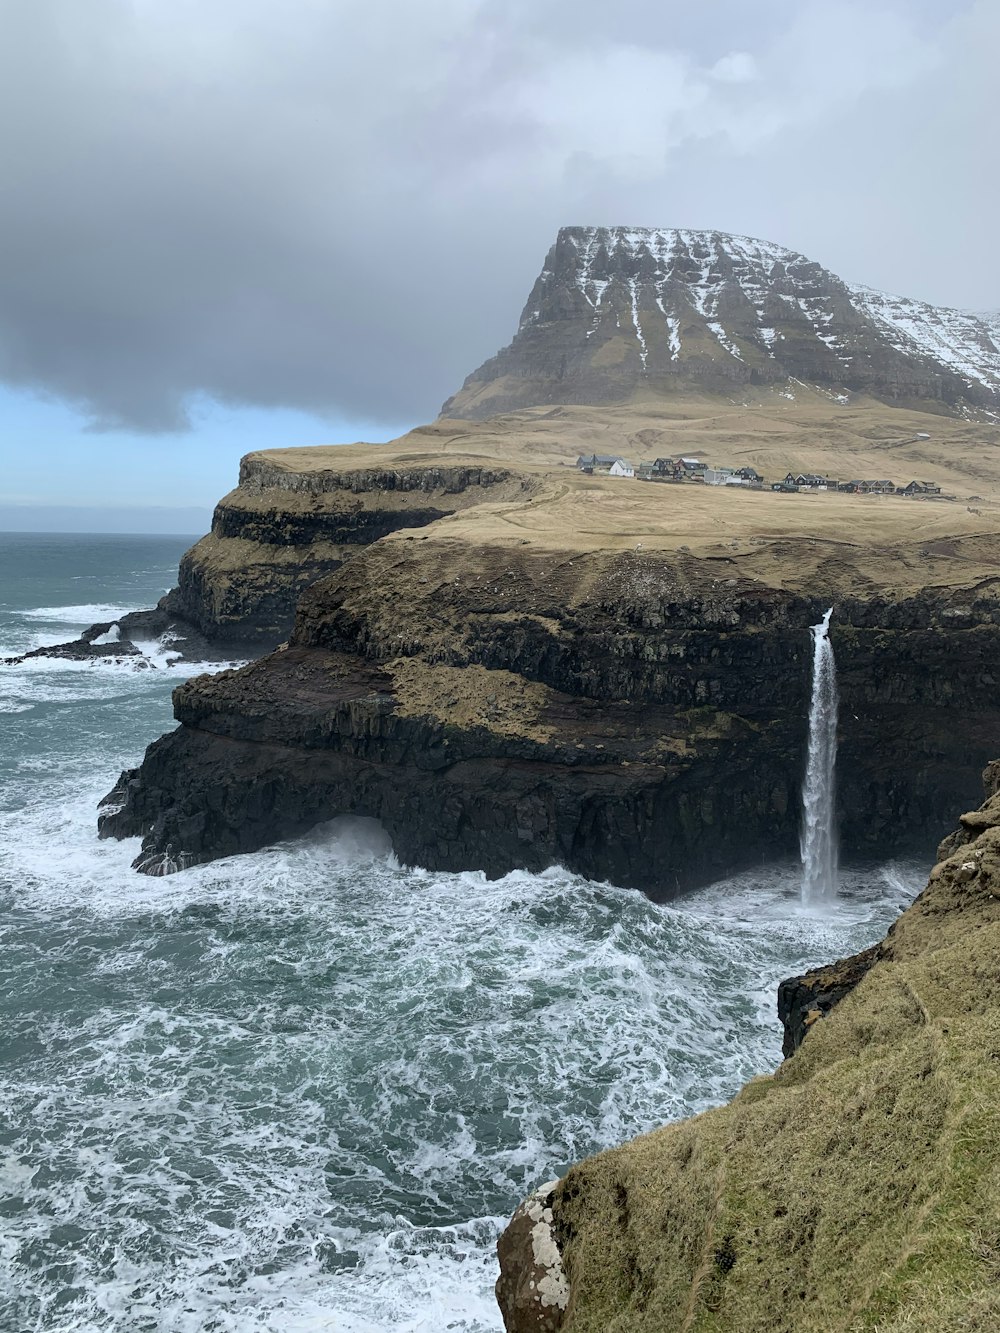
[(857, 1187), (618, 311), (505, 707), (805, 999), (532, 1290), (284, 527), (289, 522), (134, 635)]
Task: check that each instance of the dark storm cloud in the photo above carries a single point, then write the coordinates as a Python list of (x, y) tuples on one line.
[(341, 206)]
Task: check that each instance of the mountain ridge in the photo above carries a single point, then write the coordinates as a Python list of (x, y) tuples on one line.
[(618, 312)]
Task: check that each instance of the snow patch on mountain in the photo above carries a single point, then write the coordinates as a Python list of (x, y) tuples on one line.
[(964, 343), (711, 311)]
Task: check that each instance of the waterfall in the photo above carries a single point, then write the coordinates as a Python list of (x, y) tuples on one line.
[(818, 838)]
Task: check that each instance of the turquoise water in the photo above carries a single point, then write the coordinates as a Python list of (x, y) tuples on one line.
[(303, 1089)]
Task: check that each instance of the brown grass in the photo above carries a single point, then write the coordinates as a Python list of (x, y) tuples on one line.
[(894, 543)]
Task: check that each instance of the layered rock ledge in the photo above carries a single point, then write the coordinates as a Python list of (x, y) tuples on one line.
[(858, 1187), (290, 521), (507, 706)]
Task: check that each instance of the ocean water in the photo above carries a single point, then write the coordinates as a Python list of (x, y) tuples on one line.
[(304, 1089)]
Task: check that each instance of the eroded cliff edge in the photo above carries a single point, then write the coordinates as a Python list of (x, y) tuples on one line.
[(630, 715), (294, 518), (856, 1188)]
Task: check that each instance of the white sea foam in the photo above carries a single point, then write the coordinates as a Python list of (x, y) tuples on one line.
[(360, 1065), (84, 614), (112, 635), (303, 1088)]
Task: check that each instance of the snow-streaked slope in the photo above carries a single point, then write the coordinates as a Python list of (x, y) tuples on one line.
[(965, 343), (617, 310)]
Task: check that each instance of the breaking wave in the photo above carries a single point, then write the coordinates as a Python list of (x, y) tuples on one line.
[(304, 1088)]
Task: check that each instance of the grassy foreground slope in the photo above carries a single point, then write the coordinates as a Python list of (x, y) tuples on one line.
[(856, 1188)]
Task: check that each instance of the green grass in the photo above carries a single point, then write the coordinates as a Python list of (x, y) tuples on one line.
[(858, 1188)]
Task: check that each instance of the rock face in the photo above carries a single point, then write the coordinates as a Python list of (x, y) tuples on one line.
[(857, 1187), (507, 707), (281, 529), (618, 311), (532, 1290), (284, 528), (805, 999)]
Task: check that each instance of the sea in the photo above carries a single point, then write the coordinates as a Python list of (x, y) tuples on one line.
[(304, 1089)]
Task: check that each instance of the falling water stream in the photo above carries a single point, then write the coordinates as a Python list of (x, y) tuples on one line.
[(818, 840)]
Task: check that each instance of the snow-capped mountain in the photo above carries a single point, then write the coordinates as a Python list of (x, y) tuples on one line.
[(619, 310)]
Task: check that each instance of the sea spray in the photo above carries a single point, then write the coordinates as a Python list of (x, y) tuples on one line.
[(305, 1087), (818, 839)]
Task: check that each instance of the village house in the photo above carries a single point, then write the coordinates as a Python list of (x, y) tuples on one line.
[(621, 468), (693, 469), (920, 488), (867, 487), (597, 462), (724, 476), (808, 481)]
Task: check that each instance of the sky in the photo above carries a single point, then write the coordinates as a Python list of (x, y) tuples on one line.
[(239, 224)]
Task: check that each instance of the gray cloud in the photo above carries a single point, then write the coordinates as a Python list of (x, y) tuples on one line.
[(341, 206)]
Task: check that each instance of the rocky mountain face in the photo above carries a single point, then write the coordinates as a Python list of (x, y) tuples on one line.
[(619, 311), (503, 707), (857, 1187)]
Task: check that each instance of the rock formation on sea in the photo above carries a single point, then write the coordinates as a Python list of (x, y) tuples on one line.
[(623, 714), (856, 1188)]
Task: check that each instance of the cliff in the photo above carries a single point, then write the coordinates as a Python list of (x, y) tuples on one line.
[(637, 716), (624, 311), (634, 342), (512, 663), (298, 515), (856, 1188), (291, 520)]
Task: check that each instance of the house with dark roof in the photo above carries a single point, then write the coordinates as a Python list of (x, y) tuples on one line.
[(597, 462)]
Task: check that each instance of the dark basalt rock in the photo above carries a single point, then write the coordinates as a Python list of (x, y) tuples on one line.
[(282, 530), (274, 536), (157, 625), (802, 1000), (658, 746), (302, 736), (532, 1290)]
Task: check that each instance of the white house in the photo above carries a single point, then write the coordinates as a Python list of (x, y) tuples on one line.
[(619, 468)]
